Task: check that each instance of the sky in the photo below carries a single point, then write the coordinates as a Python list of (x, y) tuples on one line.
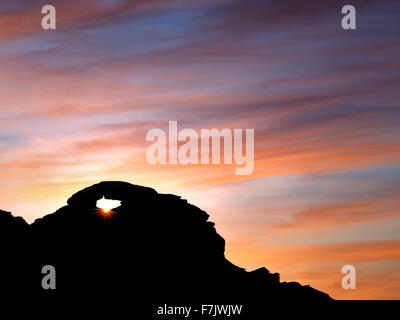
[(76, 104)]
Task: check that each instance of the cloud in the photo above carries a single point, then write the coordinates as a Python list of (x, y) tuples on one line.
[(376, 265), (76, 105), (327, 215), (24, 19)]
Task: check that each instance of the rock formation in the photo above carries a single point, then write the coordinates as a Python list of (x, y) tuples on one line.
[(157, 245)]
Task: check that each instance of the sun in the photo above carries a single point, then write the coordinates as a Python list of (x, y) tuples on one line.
[(105, 207), (105, 214)]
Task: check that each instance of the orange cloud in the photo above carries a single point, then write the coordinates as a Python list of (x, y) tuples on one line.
[(333, 214), (320, 265)]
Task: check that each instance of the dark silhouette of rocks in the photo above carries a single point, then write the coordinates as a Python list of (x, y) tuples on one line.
[(156, 247)]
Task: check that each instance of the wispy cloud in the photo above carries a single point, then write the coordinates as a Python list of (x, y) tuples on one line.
[(76, 104)]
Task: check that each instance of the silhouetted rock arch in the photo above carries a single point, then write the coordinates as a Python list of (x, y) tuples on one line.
[(158, 244)]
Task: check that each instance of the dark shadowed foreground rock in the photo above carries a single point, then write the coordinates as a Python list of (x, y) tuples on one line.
[(155, 249)]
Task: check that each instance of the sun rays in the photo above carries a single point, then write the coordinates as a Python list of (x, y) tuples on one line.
[(105, 206)]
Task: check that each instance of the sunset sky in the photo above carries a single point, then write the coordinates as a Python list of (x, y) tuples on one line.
[(76, 104)]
